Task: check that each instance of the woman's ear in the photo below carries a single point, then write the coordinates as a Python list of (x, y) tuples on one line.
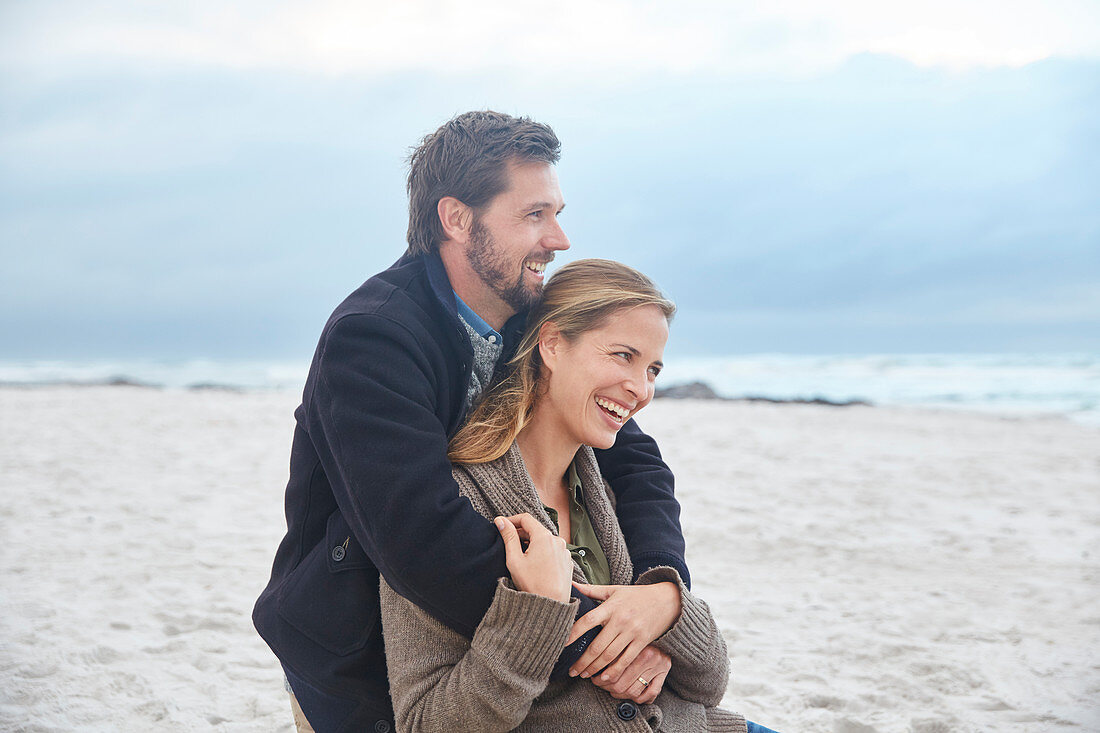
[(550, 344), (455, 217)]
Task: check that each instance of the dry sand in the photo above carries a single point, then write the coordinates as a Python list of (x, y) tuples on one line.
[(872, 569)]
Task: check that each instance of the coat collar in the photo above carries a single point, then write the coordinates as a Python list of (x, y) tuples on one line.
[(444, 292), (440, 283)]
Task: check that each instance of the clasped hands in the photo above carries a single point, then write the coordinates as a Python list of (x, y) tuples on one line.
[(632, 616)]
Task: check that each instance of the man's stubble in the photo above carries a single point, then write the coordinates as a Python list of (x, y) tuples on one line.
[(490, 263)]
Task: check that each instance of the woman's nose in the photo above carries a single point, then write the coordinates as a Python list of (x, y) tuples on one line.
[(636, 384)]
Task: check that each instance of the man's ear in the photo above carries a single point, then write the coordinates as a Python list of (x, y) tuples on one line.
[(456, 218), (551, 343)]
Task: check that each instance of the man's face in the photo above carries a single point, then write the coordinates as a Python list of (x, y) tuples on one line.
[(517, 234)]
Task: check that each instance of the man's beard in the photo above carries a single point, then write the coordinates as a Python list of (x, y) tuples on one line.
[(491, 264)]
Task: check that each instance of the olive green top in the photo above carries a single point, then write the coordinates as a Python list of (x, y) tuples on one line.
[(583, 544)]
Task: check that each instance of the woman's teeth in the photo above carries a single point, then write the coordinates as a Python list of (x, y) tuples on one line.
[(617, 411)]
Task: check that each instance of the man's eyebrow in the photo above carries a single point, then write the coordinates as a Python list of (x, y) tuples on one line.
[(542, 205)]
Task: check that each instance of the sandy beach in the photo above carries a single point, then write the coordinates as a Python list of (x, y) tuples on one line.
[(872, 569)]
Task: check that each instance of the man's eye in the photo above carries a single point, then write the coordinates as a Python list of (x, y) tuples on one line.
[(535, 215)]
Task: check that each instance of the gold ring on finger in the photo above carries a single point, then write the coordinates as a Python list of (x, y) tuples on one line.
[(643, 681)]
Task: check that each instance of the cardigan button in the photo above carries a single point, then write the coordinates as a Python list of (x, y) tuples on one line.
[(382, 726), (338, 553), (627, 710)]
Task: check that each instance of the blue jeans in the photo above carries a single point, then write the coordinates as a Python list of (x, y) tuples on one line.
[(754, 728)]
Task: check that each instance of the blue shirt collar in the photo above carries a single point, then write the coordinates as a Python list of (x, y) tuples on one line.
[(477, 322)]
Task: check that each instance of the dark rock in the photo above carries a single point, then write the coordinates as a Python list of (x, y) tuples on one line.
[(804, 401), (689, 391), (213, 387), (108, 382), (123, 382), (703, 391)]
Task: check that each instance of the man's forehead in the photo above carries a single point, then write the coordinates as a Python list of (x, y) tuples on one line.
[(533, 183)]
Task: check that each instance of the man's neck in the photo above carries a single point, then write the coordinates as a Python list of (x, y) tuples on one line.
[(474, 293), (489, 308)]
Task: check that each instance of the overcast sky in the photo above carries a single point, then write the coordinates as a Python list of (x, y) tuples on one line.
[(208, 179)]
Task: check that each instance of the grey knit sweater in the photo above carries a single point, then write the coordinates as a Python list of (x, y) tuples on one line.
[(439, 681), (486, 356)]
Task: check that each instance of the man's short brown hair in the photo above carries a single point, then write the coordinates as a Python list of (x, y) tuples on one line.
[(468, 158)]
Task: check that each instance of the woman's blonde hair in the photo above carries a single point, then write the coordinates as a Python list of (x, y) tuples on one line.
[(579, 297)]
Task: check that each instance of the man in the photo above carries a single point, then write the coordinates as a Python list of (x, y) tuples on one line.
[(397, 366)]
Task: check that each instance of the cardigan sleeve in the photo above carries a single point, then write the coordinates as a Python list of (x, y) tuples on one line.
[(439, 681), (700, 664)]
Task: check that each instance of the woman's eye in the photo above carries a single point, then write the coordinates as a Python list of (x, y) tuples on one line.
[(624, 354), (655, 370)]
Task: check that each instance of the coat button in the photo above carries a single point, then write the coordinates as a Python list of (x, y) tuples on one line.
[(338, 553), (627, 710), (381, 726)]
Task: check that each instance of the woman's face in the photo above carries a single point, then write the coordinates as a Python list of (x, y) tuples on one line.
[(599, 381)]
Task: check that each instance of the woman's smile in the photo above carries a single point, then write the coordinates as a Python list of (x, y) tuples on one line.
[(617, 412)]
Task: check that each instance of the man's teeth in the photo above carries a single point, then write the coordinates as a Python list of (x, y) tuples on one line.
[(610, 406), (539, 267)]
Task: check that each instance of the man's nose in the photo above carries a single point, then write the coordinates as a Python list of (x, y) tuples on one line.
[(555, 239)]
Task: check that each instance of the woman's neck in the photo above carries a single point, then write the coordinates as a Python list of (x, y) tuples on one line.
[(547, 452)]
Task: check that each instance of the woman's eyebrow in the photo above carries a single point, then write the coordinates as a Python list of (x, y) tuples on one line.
[(634, 351)]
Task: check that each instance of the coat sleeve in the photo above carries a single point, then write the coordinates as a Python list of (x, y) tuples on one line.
[(372, 414), (646, 505), (441, 682), (700, 665)]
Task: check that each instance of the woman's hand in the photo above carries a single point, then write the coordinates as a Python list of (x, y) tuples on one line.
[(652, 665), (632, 616), (545, 568)]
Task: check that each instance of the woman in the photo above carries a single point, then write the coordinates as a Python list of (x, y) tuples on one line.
[(586, 365)]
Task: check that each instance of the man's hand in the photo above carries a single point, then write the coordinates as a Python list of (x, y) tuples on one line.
[(651, 665), (632, 616)]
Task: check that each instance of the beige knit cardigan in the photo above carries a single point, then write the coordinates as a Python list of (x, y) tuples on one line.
[(439, 681)]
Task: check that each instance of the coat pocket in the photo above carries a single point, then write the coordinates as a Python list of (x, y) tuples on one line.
[(332, 596)]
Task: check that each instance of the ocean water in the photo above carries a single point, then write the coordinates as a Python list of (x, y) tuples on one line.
[(1063, 384), (172, 374)]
